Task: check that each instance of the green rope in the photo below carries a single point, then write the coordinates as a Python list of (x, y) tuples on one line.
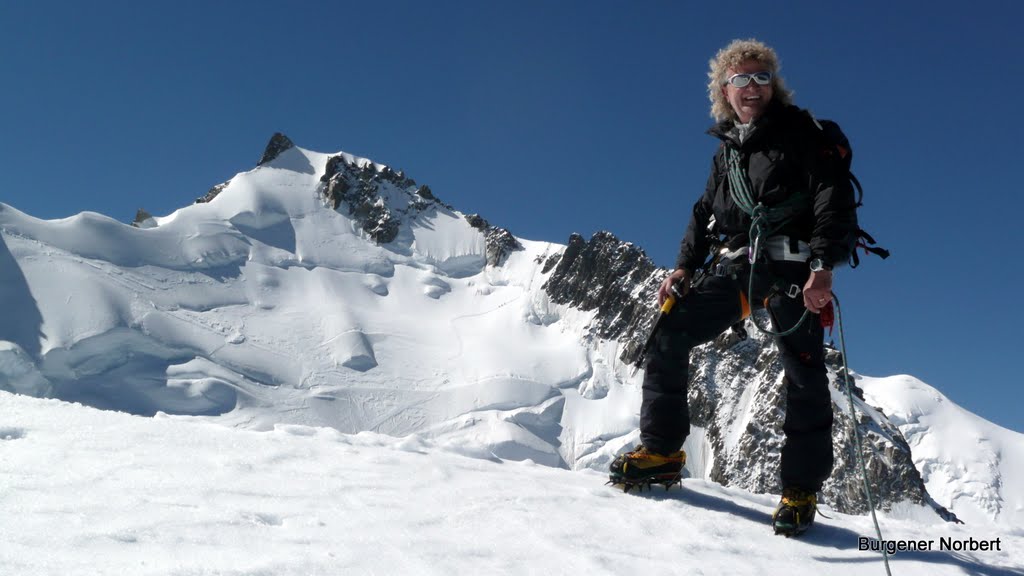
[(856, 432), (763, 222)]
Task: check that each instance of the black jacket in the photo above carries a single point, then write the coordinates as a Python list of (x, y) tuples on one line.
[(785, 154)]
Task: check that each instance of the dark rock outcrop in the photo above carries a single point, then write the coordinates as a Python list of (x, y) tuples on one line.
[(278, 144), (212, 193), (500, 242), (140, 219), (605, 274), (357, 188), (378, 198), (737, 391)]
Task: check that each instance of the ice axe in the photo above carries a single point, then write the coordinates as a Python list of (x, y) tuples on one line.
[(674, 294)]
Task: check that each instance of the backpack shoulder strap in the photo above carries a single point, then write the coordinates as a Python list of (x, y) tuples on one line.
[(833, 142)]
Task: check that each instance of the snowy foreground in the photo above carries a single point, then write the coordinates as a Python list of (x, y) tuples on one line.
[(84, 491)]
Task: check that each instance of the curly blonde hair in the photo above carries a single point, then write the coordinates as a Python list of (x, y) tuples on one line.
[(736, 53)]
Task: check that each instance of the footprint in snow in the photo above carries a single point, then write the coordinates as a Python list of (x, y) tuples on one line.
[(11, 433), (264, 519)]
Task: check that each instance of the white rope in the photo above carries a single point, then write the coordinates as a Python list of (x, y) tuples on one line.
[(856, 435)]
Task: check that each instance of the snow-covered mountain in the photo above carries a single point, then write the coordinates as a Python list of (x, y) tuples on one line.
[(328, 290), (968, 463)]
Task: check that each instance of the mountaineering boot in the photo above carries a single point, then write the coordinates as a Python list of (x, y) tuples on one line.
[(642, 467), (795, 512)]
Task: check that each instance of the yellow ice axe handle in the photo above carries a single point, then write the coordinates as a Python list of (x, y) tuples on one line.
[(674, 293), (666, 307)]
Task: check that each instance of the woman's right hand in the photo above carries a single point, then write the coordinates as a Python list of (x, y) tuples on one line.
[(681, 278)]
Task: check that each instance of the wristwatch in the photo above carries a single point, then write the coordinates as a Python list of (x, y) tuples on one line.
[(817, 265)]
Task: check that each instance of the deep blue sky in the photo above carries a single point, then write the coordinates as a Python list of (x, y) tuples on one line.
[(553, 117)]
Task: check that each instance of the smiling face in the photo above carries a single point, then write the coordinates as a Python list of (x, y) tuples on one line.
[(752, 100)]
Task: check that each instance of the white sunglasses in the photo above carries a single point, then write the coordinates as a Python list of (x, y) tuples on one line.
[(741, 80)]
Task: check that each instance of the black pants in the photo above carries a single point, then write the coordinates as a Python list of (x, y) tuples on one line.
[(704, 313)]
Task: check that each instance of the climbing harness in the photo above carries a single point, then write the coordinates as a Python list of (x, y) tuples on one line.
[(764, 221)]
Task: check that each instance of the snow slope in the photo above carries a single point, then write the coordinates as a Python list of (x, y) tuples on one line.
[(972, 465), (84, 491), (265, 306)]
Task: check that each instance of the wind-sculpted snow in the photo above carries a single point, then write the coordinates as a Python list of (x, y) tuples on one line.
[(329, 290), (189, 244), (266, 305)]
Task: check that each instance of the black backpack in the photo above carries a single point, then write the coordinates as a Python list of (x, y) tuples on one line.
[(836, 144)]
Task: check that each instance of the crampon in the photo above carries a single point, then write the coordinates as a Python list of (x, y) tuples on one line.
[(627, 484), (795, 513), (641, 468)]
